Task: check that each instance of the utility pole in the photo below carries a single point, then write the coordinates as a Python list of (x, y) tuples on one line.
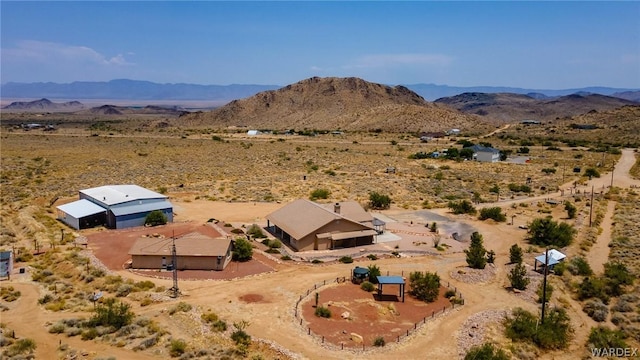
[(591, 207), (612, 168), (544, 283), (174, 261)]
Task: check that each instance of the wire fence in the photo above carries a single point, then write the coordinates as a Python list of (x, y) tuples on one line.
[(387, 339)]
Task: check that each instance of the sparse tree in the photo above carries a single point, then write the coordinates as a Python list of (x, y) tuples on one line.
[(515, 254), (374, 272), (424, 286), (491, 257), (379, 201), (486, 351), (462, 207), (319, 194), (547, 232), (518, 277), (242, 250), (155, 218), (570, 209), (476, 253)]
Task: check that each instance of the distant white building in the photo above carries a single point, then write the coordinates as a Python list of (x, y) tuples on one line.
[(253, 132), (453, 132), (485, 154)]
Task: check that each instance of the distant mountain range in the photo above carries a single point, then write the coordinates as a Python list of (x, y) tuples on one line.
[(125, 89)]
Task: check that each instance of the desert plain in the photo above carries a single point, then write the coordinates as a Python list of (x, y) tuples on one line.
[(239, 179)]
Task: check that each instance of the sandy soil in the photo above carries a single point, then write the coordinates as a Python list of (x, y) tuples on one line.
[(267, 300), (599, 252), (369, 315)]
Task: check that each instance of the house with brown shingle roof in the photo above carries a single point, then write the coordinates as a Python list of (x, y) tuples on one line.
[(195, 251), (305, 225)]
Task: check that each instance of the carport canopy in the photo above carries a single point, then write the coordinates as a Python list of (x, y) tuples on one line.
[(391, 280)]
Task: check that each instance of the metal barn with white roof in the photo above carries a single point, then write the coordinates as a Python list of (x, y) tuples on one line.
[(114, 206)]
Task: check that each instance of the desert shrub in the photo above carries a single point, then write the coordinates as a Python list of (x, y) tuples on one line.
[(450, 293), (379, 201), (256, 231), (591, 172), (57, 328), (47, 298), (579, 266), (515, 254), (145, 285), (242, 250), (494, 213), (123, 290), (89, 334), (491, 257), (616, 275), (372, 257), (379, 341), (112, 312), (316, 261), (209, 317), (367, 286), (285, 257), (462, 207), (476, 252), (547, 232), (374, 272), (219, 326), (486, 351), (570, 209), (552, 333), (604, 338), (596, 309), (155, 218), (180, 307), (177, 347), (9, 294), (559, 268), (623, 305), (593, 287), (424, 286), (518, 277), (322, 311), (147, 343), (519, 188), (319, 194), (275, 244), (21, 346), (72, 331), (540, 294), (346, 259)]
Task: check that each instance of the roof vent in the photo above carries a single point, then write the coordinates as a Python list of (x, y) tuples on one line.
[(336, 208)]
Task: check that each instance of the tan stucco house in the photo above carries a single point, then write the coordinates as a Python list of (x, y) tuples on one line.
[(194, 251), (305, 225)]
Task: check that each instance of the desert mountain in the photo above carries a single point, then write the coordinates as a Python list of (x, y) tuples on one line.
[(44, 105), (172, 111), (628, 95), (515, 107), (335, 103), (125, 89)]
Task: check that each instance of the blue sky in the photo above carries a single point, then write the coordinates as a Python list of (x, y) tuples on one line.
[(539, 45)]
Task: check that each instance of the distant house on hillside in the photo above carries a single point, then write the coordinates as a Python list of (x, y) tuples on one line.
[(530, 122), (453, 132), (305, 225), (485, 154), (194, 251), (253, 132)]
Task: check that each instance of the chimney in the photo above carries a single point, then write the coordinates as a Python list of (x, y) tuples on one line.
[(336, 208)]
